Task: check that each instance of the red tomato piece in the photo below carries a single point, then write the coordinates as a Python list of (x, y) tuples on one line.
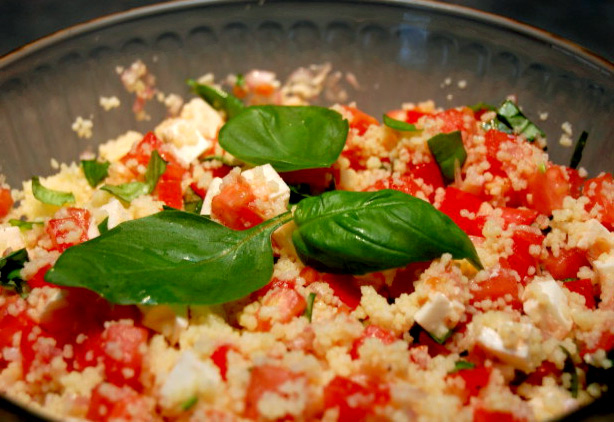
[(404, 278), (344, 288), (409, 116), (360, 120), (38, 279), (319, 179), (518, 216), (600, 191), (68, 228), (576, 182), (455, 203), (288, 304), (140, 153), (493, 141), (121, 351), (567, 264), (546, 368), (12, 323), (372, 331), (110, 403), (433, 347), (220, 358), (354, 401), (429, 173), (485, 415), (405, 184), (521, 259), (6, 201), (169, 191), (263, 379), (233, 206), (475, 379), (548, 189), (583, 287), (454, 120), (501, 282)]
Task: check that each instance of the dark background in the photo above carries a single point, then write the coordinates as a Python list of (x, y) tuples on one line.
[(589, 23)]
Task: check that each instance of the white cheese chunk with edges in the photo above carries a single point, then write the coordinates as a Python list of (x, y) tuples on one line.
[(10, 237), (189, 153), (547, 306), (435, 316), (169, 320), (189, 378), (517, 356), (116, 212), (214, 189), (264, 180)]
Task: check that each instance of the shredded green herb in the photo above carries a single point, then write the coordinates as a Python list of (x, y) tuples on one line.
[(49, 196), (462, 364), (510, 114), (578, 150), (570, 368), (24, 225), (10, 271), (309, 309), (189, 403), (399, 124)]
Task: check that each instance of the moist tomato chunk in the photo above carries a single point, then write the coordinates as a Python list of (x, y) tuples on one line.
[(110, 403), (121, 347), (566, 264), (486, 415), (355, 401), (547, 189), (475, 380), (462, 207), (522, 260), (502, 282), (6, 201), (600, 191), (360, 120), (68, 228), (583, 287), (372, 331), (234, 206), (264, 378)]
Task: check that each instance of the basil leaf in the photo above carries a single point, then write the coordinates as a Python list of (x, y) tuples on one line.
[(49, 196), (482, 106), (219, 158), (189, 403), (399, 124), (95, 171), (462, 364), (360, 232), (287, 137), (309, 309), (510, 114), (172, 257), (577, 152), (496, 124), (570, 368), (10, 268), (132, 190), (448, 149), (24, 225), (441, 340), (218, 99), (192, 202), (298, 193), (103, 227)]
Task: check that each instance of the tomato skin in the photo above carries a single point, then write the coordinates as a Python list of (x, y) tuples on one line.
[(264, 378), (372, 331), (6, 201), (454, 120), (500, 283), (409, 116), (546, 368), (344, 288), (567, 264), (220, 358), (429, 173), (360, 120), (475, 379), (576, 182), (583, 287), (63, 230), (120, 348), (456, 200), (521, 259), (340, 389), (286, 301), (232, 206), (548, 189), (169, 191), (600, 191), (485, 415), (110, 403)]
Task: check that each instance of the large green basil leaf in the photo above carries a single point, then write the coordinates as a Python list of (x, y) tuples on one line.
[(288, 137), (360, 232), (172, 257), (448, 150), (218, 99), (49, 196)]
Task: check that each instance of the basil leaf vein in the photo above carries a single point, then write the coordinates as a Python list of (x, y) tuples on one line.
[(95, 171), (172, 257), (448, 149), (360, 232), (50, 196), (287, 137)]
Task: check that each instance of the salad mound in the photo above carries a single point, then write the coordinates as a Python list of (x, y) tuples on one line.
[(255, 257)]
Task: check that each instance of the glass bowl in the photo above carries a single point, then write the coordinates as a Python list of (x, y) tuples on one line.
[(397, 50)]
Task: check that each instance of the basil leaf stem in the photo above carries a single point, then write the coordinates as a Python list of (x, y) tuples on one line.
[(448, 150), (217, 98), (309, 309), (95, 171), (172, 257), (577, 152), (132, 190), (287, 137), (399, 124), (510, 114), (49, 196), (360, 232)]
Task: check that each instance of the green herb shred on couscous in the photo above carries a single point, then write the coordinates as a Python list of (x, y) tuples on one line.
[(257, 258)]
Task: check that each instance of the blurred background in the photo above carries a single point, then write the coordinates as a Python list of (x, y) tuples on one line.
[(589, 23)]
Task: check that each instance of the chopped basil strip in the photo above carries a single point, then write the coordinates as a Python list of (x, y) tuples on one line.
[(496, 124), (309, 309), (510, 114), (441, 340), (482, 106), (10, 271), (132, 190), (287, 137), (49, 196), (570, 368), (462, 364), (103, 227), (577, 152), (189, 403), (399, 124), (95, 171), (172, 257), (449, 152), (240, 80), (24, 225), (219, 158), (541, 167), (192, 202), (217, 98), (361, 232)]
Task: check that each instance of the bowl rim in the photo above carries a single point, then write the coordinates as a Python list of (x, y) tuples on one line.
[(558, 42)]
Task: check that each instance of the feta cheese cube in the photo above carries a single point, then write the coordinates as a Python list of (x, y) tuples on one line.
[(170, 321), (439, 315), (516, 355), (547, 306), (189, 153), (268, 185), (214, 189), (116, 212), (10, 237), (190, 377)]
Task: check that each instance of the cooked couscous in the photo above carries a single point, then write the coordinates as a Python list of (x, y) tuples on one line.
[(194, 273)]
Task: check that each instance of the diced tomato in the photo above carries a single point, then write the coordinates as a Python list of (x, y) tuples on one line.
[(319, 179), (546, 368), (372, 331), (583, 287), (456, 202), (405, 184), (409, 116), (37, 347), (68, 228), (354, 401), (429, 173), (475, 379), (521, 259), (493, 140), (233, 206), (221, 171), (344, 288), (264, 378), (198, 190), (454, 119), (567, 264), (12, 323), (6, 201), (169, 191), (288, 303), (121, 348), (38, 279), (484, 415), (600, 191), (606, 342), (548, 189), (360, 120), (576, 182), (141, 151), (220, 358), (404, 278), (501, 282), (517, 216), (110, 403)]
